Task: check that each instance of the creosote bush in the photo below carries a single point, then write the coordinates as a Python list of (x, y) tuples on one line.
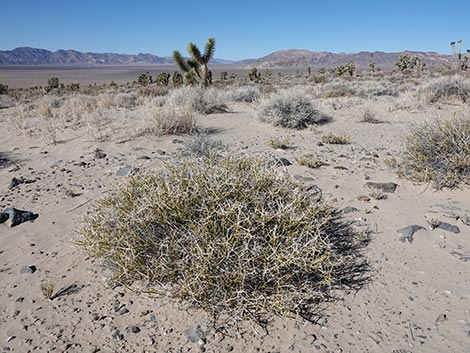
[(438, 152), (231, 235), (292, 109)]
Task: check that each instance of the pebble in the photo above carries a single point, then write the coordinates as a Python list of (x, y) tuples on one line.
[(384, 187), (28, 269), (100, 155), (116, 334), (133, 329), (448, 227), (408, 232)]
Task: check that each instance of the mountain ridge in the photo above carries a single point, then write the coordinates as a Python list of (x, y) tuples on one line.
[(280, 59)]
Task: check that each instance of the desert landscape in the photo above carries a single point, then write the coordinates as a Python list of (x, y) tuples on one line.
[(299, 202)]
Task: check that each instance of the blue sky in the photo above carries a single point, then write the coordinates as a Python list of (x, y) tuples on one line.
[(243, 29)]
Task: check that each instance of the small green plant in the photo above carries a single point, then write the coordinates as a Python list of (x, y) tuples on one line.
[(406, 64), (73, 87), (145, 79), (223, 75), (52, 83), (47, 290), (3, 89), (279, 143), (197, 64), (231, 235), (310, 161), (334, 139), (254, 75), (341, 70), (177, 79), (163, 78)]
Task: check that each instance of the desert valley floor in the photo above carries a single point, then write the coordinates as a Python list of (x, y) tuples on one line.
[(68, 149)]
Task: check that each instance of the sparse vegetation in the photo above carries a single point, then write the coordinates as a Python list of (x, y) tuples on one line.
[(174, 119), (310, 161), (447, 88), (234, 237), (438, 152), (406, 64), (3, 89), (291, 109), (335, 139), (254, 75), (52, 83), (279, 143), (145, 79), (202, 146), (198, 99), (247, 94)]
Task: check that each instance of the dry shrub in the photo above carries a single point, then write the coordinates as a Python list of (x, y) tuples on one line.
[(447, 88), (198, 99), (438, 152), (335, 139), (174, 119), (291, 108), (230, 235), (243, 94), (310, 161), (202, 146), (153, 91)]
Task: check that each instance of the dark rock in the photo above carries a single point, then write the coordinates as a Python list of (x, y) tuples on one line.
[(408, 232), (142, 157), (19, 300), (18, 181), (116, 334), (448, 227), (195, 333), (384, 187), (133, 329), (28, 269), (177, 141), (123, 311), (3, 217), (100, 155), (18, 216)]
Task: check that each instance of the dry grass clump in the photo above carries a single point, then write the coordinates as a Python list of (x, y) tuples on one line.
[(310, 161), (438, 152), (198, 99), (173, 119), (232, 235), (279, 143), (367, 115), (447, 88), (292, 109), (243, 94), (334, 139)]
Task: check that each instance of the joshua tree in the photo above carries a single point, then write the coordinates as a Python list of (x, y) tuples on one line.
[(198, 62), (462, 60)]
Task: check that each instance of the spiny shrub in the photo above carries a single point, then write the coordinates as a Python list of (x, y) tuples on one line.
[(144, 79), (52, 83), (438, 152), (73, 87), (177, 79), (243, 94), (231, 235), (163, 78), (292, 109), (199, 99), (447, 88)]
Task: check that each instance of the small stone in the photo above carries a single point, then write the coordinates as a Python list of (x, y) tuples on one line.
[(123, 311), (194, 334), (348, 210), (363, 198), (19, 300), (133, 329), (3, 217), (18, 216), (124, 170), (28, 269), (384, 187), (100, 155), (142, 158), (448, 227), (116, 334), (408, 232), (10, 338)]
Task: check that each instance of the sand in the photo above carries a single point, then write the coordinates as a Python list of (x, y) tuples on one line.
[(416, 301)]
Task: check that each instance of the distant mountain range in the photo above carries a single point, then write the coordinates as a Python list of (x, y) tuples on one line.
[(282, 59)]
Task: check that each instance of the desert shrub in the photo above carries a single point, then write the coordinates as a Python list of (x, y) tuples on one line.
[(438, 152), (232, 236), (202, 146), (281, 143), (3, 89), (310, 161), (243, 94), (73, 87), (52, 83), (335, 139), (145, 79), (292, 109), (163, 78), (125, 100), (173, 119), (198, 99), (153, 91), (446, 88)]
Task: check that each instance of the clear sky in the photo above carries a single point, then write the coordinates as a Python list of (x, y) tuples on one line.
[(242, 28)]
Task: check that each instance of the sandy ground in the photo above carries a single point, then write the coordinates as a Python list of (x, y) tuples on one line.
[(417, 301)]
